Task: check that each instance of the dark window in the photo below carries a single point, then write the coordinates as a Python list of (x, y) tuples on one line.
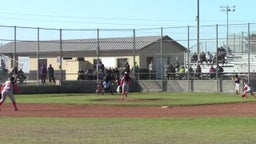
[(95, 61), (67, 58), (80, 59), (121, 62)]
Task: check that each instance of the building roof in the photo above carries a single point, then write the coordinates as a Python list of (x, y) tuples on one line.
[(82, 47)]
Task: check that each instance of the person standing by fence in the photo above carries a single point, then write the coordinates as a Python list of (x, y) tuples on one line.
[(81, 74), (101, 70), (13, 72), (43, 72), (51, 74), (198, 71), (151, 69)]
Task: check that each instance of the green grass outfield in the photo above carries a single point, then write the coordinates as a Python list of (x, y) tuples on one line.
[(217, 130)]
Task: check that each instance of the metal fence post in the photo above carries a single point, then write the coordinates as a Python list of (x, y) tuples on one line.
[(38, 55), (217, 61), (14, 47), (161, 50), (249, 51), (134, 51), (61, 57), (188, 74), (97, 53)]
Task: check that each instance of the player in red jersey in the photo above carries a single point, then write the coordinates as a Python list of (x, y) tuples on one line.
[(247, 89), (7, 90)]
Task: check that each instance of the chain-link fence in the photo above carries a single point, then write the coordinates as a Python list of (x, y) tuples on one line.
[(151, 54)]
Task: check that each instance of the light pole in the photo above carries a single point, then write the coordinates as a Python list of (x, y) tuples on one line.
[(197, 20), (227, 9)]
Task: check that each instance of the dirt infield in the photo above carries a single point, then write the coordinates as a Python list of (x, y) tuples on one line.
[(98, 111)]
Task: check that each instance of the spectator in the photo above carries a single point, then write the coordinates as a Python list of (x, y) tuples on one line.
[(81, 74), (167, 70), (151, 69), (89, 75), (172, 72), (194, 58), (51, 74), (191, 72), (150, 66), (136, 70), (43, 73), (177, 64), (202, 57), (127, 67), (101, 70), (220, 71), (209, 57), (116, 71), (198, 71), (221, 54), (3, 65), (21, 76), (215, 59), (136, 67), (182, 72), (212, 72), (13, 72)]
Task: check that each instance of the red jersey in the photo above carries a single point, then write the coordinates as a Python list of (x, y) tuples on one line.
[(9, 86)]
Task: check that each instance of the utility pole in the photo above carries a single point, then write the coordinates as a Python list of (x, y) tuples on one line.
[(227, 9)]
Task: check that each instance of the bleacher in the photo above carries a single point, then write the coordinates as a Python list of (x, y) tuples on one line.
[(237, 62)]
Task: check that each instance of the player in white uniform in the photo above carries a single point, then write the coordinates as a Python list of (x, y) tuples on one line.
[(125, 82), (7, 90), (237, 84)]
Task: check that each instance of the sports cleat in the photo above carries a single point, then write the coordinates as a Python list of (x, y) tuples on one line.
[(15, 109)]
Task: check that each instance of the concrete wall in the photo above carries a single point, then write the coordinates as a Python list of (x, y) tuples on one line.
[(226, 86)]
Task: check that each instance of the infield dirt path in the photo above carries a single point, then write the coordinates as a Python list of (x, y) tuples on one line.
[(98, 111)]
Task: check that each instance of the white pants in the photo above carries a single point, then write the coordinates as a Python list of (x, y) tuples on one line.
[(6, 93), (237, 87), (125, 87), (118, 89)]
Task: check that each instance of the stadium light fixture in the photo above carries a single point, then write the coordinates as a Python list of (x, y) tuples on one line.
[(227, 9)]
